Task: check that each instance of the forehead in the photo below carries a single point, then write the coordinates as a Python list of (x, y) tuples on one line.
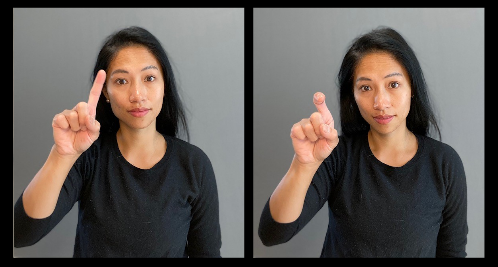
[(378, 64), (133, 57)]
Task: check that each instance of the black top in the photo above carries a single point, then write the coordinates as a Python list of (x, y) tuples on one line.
[(169, 210), (375, 210)]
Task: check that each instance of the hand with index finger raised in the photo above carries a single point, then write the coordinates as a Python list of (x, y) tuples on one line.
[(314, 138), (75, 130)]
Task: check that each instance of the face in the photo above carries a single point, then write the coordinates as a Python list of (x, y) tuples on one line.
[(382, 92), (135, 87)]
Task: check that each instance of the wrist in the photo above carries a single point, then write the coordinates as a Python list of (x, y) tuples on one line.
[(300, 167), (302, 173), (59, 157)]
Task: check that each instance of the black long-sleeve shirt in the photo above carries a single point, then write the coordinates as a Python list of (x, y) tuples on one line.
[(169, 210), (375, 210)]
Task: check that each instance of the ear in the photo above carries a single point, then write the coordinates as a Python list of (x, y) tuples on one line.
[(104, 91)]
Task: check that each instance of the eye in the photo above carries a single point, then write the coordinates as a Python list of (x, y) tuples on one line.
[(365, 88), (393, 84), (121, 81), (150, 78)]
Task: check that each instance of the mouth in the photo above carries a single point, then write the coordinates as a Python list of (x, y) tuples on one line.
[(383, 119), (139, 112)]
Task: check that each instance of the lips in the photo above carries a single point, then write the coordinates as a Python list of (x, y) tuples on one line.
[(139, 112), (383, 119)]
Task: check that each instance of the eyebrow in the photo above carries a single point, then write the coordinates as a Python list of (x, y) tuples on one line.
[(387, 76), (150, 67), (393, 74), (125, 71)]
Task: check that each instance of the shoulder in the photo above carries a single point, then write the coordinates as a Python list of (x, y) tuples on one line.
[(350, 144), (186, 151), (105, 141), (349, 140), (438, 149), (443, 157), (99, 148), (347, 151), (348, 148), (191, 161)]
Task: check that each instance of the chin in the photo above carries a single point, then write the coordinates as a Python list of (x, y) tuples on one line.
[(384, 129), (138, 125)]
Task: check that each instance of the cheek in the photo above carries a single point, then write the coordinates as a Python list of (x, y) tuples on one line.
[(115, 94), (404, 103), (159, 103), (158, 98), (159, 94), (362, 104)]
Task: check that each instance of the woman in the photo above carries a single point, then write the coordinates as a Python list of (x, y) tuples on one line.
[(392, 190), (141, 191)]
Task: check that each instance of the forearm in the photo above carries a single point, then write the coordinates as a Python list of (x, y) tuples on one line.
[(41, 194), (286, 202)]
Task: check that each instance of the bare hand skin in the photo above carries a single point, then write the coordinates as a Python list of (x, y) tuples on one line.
[(74, 131), (313, 139)]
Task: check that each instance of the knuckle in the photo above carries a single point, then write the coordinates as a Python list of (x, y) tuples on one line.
[(73, 114), (81, 105), (296, 130), (293, 130), (315, 115), (307, 126), (56, 118)]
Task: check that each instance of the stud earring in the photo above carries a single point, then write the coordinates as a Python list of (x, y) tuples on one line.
[(107, 100)]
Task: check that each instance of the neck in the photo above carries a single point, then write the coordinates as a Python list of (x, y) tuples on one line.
[(143, 148), (134, 140), (394, 149), (396, 141)]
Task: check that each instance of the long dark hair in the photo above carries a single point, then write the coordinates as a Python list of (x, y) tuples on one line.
[(172, 114), (421, 115)]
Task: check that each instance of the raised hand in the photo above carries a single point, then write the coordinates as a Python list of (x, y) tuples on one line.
[(75, 130), (314, 138)]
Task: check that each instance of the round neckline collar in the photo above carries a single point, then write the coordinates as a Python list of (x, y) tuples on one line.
[(120, 156), (407, 165)]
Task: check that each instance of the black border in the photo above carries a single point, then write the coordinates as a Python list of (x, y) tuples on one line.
[(248, 132)]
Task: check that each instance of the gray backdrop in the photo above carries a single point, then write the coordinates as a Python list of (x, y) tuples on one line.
[(299, 51), (54, 54)]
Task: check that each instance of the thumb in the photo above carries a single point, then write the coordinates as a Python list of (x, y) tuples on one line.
[(93, 128), (330, 135)]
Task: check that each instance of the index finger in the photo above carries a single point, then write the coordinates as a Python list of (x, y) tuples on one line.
[(93, 99), (319, 101)]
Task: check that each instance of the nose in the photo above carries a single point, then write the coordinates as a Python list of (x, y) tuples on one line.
[(138, 92), (381, 100)]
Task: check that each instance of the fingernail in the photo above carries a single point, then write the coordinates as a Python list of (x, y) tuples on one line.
[(317, 97)]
